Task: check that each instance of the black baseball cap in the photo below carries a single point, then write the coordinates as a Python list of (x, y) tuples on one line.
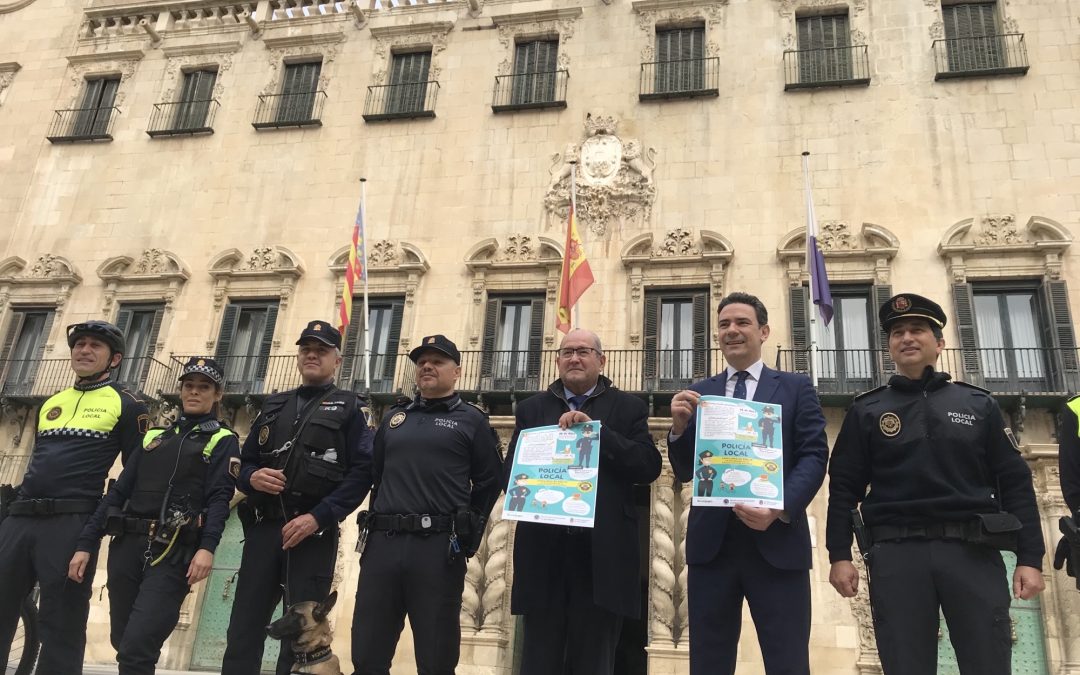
[(323, 332), (910, 306), (203, 365), (439, 343)]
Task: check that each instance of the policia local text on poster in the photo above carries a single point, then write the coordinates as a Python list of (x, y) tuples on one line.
[(740, 453), (554, 477)]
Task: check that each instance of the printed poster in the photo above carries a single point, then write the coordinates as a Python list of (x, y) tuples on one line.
[(554, 477), (739, 453)]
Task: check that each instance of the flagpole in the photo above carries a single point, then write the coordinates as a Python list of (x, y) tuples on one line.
[(809, 263), (576, 322), (363, 252)]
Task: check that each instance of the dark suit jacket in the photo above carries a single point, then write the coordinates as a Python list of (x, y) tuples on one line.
[(627, 456), (806, 452)]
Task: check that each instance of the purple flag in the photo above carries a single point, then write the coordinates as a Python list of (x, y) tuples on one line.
[(820, 294)]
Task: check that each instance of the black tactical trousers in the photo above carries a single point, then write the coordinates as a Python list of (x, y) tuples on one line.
[(144, 601), (308, 568), (911, 579), (408, 574), (38, 549)]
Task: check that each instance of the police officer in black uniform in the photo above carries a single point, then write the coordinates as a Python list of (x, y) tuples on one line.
[(706, 474), (166, 513), (437, 470), (1068, 548), (947, 489), (305, 466), (80, 431)]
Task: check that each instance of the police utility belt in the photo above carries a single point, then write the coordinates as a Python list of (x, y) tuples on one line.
[(50, 507), (997, 530), (117, 525), (416, 522)]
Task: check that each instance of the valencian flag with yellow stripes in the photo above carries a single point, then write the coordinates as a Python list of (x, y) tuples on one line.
[(355, 270), (576, 274)]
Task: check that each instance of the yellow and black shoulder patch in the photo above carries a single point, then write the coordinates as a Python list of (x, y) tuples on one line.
[(144, 423), (154, 443)]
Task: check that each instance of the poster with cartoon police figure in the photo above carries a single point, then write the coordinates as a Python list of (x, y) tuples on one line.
[(554, 477), (740, 453)]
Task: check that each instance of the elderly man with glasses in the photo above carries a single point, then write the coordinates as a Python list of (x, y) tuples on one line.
[(575, 585)]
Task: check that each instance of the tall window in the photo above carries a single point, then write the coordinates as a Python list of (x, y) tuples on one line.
[(195, 97), (676, 339), (140, 325), (680, 54), (513, 339), (384, 329), (298, 88), (535, 64), (974, 40), (24, 346), (408, 79), (243, 347), (92, 118), (823, 48)]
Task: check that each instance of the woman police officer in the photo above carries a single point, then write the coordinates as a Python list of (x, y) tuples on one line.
[(167, 512)]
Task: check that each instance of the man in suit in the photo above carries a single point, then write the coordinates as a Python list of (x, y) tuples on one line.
[(760, 554), (574, 585)]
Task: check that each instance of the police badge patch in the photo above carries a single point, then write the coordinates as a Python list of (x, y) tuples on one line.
[(234, 467), (396, 420), (889, 423), (264, 435), (367, 416), (154, 443), (53, 413), (1012, 439)]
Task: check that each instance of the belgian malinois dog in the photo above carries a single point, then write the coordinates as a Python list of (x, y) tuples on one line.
[(306, 627)]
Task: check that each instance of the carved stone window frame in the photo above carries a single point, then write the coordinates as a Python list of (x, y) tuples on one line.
[(1008, 23), (7, 76), (793, 10), (865, 256), (106, 64), (156, 276), (654, 14), (393, 268), (323, 47), (181, 59), (998, 249), (268, 272), (678, 261), (400, 39), (518, 27), (46, 283), (517, 266)]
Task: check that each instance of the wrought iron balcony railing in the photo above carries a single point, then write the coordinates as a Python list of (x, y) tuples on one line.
[(38, 379), (682, 78), (303, 109), (182, 118), (526, 91), (401, 101), (82, 124), (831, 67), (1004, 54)]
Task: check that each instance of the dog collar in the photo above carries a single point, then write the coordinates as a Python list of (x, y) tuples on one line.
[(305, 658)]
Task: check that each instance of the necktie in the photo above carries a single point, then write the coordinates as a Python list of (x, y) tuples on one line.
[(577, 401), (740, 384)]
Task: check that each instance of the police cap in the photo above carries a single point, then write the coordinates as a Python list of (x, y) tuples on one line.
[(522, 476), (910, 306), (323, 332), (439, 343), (202, 365)]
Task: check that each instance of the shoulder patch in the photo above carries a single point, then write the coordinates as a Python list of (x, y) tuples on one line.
[(871, 391), (144, 423), (234, 467), (971, 386), (369, 419)]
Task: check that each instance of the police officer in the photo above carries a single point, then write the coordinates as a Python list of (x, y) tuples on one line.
[(166, 513), (437, 470), (305, 466), (518, 493), (947, 488), (80, 431), (706, 474), (1068, 548)]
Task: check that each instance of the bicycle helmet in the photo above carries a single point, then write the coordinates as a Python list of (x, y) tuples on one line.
[(102, 330)]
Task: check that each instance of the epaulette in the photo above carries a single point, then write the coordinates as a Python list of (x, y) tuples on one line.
[(401, 402), (971, 386), (279, 396), (872, 391), (477, 406)]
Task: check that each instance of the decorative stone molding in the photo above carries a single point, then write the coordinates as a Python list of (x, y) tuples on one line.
[(494, 605), (7, 76), (614, 178), (993, 246), (48, 281), (267, 271), (180, 59), (393, 39), (788, 8), (937, 28), (680, 260), (157, 275), (122, 63), (297, 49), (506, 268), (14, 5), (394, 268), (867, 661), (865, 255), (520, 26), (652, 14)]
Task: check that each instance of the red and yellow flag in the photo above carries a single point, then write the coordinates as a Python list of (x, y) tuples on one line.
[(576, 274), (355, 269)]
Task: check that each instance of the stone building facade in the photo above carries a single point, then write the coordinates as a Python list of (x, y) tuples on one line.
[(190, 169)]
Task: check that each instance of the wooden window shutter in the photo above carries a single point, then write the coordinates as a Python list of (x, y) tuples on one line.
[(651, 340), (393, 340), (225, 335), (491, 327), (536, 342), (1058, 332), (701, 335), (799, 302), (17, 319), (267, 340), (351, 357), (882, 292), (966, 329)]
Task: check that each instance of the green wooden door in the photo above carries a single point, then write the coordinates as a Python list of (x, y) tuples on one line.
[(1029, 645), (217, 605)]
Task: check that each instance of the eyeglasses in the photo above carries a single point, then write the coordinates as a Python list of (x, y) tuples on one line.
[(580, 352)]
